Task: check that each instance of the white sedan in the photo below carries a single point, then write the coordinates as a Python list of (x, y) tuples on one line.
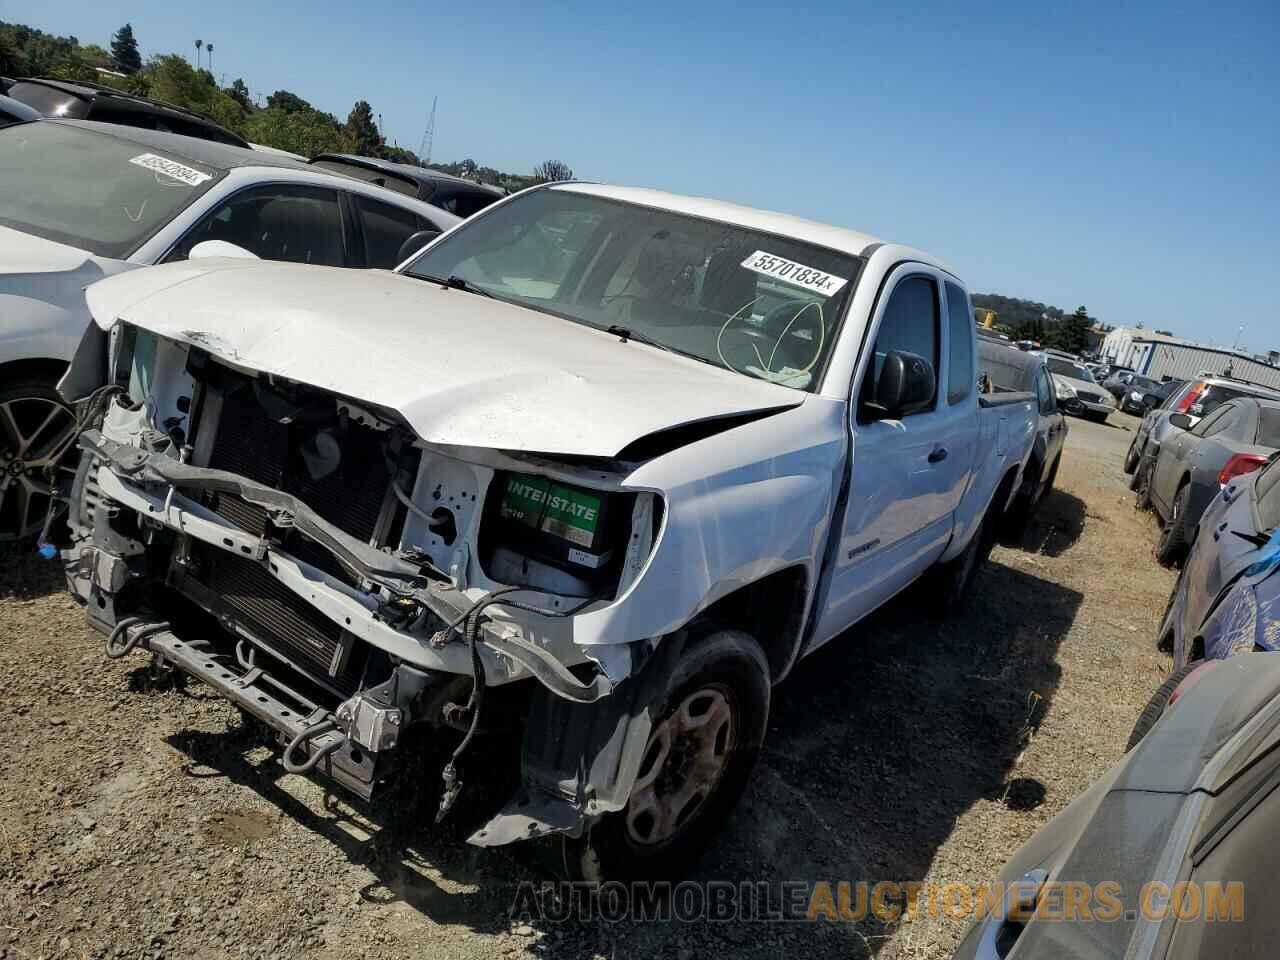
[(80, 201)]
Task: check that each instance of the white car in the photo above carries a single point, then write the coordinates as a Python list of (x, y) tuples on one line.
[(82, 201), (638, 452), (1078, 392)]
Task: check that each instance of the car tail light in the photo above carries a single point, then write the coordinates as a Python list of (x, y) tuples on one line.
[(1239, 465), (1192, 396)]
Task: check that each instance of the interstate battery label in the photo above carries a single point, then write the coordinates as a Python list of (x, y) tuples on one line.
[(551, 508)]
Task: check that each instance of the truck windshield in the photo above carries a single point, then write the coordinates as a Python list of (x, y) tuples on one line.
[(91, 190), (758, 304)]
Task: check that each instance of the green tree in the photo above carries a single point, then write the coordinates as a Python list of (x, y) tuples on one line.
[(124, 50), (362, 133), (306, 132), (1071, 333), (239, 92), (288, 102)]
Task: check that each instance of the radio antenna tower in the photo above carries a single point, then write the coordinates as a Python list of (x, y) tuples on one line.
[(424, 150)]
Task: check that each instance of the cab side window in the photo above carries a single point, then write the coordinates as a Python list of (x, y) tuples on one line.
[(960, 375), (1044, 393), (910, 324)]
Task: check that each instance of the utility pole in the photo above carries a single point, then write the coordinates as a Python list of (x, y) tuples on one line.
[(208, 48), (428, 135)]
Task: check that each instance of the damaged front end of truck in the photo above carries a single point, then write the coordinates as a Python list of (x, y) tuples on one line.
[(312, 558)]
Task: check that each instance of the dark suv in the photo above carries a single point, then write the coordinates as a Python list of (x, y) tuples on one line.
[(460, 197), (81, 100)]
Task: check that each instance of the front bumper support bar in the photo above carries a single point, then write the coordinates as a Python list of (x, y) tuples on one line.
[(282, 709)]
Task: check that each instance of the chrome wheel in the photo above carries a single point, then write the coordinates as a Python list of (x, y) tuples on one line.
[(684, 761), (35, 435)]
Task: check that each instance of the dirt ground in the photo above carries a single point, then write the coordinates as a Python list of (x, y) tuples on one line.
[(138, 821)]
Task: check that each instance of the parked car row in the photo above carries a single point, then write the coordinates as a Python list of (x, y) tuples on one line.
[(1190, 812)]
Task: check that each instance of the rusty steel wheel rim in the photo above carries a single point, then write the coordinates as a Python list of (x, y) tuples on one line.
[(35, 434), (684, 761)]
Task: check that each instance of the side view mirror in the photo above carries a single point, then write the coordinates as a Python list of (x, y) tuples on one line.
[(1180, 420), (220, 248), (905, 385), (414, 243)]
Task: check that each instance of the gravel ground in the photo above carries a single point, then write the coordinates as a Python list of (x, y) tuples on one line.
[(139, 821)]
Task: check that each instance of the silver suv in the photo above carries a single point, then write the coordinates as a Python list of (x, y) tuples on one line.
[(1197, 399)]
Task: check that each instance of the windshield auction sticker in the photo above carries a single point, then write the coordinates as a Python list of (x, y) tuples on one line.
[(796, 274), (171, 168)]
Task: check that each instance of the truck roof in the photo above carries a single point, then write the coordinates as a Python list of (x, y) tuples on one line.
[(783, 224)]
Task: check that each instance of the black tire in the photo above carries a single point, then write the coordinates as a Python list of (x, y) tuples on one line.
[(1143, 476), (1157, 705), (1014, 522), (948, 583), (1171, 549), (1132, 457), (1050, 480), (731, 665), (25, 484)]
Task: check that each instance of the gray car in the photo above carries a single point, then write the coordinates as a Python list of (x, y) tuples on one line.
[(1192, 467), (1196, 398), (1192, 803), (1129, 388)]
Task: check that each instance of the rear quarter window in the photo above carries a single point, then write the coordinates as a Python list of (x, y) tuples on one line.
[(1269, 427), (1267, 496)]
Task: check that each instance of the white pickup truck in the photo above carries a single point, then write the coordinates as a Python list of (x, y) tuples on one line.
[(638, 450)]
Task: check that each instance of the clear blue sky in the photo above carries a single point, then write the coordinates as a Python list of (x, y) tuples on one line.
[(1121, 155)]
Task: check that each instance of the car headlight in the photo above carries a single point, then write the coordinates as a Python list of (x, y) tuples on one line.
[(1135, 396), (1064, 390)]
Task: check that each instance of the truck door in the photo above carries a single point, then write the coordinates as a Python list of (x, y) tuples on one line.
[(908, 474)]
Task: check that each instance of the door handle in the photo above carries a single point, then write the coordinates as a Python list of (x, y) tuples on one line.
[(938, 455)]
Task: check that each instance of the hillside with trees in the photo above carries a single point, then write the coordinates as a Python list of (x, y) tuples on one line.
[(285, 121), (1033, 320)]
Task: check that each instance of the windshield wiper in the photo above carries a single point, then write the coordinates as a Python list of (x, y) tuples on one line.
[(626, 333), (454, 282)]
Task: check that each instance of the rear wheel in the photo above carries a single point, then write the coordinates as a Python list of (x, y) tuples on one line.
[(1131, 458), (1142, 476), (36, 434), (948, 583), (704, 743), (1171, 549), (1157, 705)]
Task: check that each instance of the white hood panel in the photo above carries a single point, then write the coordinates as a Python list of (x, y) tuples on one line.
[(462, 369)]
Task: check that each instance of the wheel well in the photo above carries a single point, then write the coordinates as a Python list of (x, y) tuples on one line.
[(1197, 649), (36, 368), (1001, 499), (771, 610)]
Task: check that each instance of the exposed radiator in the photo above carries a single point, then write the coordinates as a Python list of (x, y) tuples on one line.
[(352, 496), (271, 612), (250, 444)]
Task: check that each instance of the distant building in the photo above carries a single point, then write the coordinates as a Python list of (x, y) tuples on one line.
[(1159, 356)]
